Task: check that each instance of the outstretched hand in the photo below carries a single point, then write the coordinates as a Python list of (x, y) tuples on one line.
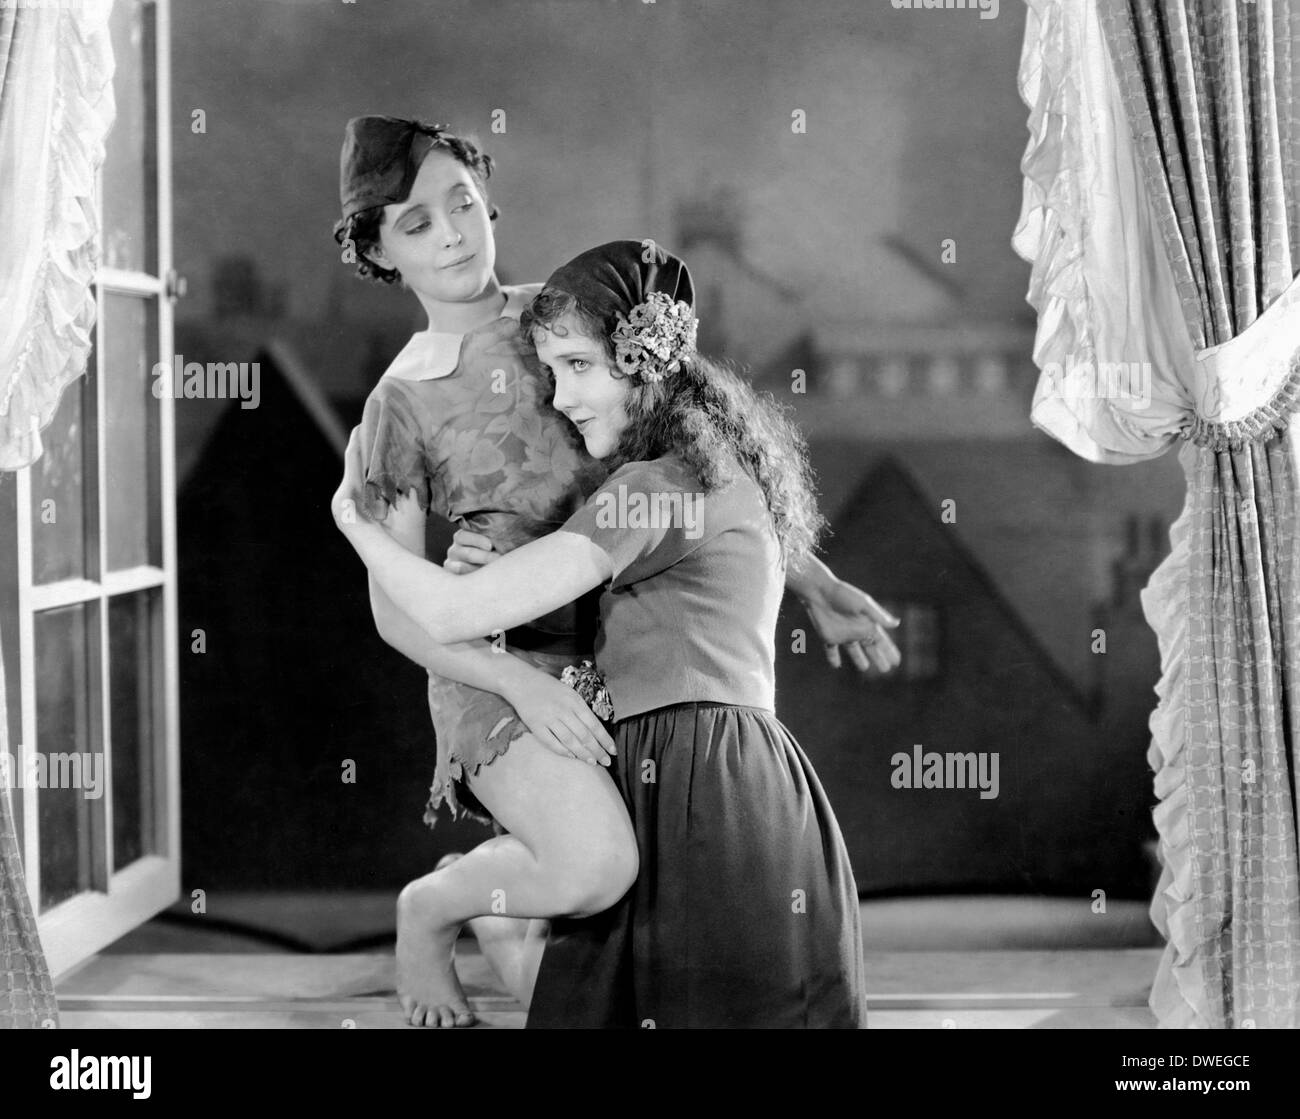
[(848, 618)]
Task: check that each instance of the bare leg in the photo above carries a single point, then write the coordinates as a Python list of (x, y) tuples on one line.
[(512, 946), (570, 852)]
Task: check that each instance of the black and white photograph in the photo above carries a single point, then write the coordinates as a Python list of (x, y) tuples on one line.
[(650, 514)]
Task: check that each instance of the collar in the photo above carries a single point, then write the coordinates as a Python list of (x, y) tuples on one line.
[(431, 354)]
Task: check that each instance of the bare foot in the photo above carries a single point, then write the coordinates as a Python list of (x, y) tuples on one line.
[(427, 987)]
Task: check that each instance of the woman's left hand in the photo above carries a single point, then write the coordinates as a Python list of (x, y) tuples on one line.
[(349, 502), (845, 616)]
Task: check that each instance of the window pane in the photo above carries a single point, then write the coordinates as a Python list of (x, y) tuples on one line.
[(133, 484), (63, 544), (135, 650), (130, 166), (69, 746)]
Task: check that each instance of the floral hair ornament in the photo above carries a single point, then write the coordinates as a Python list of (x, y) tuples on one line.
[(643, 295), (654, 340)]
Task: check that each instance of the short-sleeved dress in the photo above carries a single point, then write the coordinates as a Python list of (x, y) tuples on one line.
[(464, 423), (745, 910)]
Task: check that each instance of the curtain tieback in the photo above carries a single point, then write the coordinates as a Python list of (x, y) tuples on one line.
[(1230, 380)]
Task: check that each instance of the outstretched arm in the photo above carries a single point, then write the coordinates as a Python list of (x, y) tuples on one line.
[(532, 580), (845, 616), (842, 615)]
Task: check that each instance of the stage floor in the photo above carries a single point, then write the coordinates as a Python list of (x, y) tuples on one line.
[(1016, 989)]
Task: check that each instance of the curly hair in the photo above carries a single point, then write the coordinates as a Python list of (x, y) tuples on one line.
[(361, 230), (711, 416)]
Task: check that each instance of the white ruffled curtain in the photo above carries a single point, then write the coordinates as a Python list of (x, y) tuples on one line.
[(1162, 222), (56, 107)]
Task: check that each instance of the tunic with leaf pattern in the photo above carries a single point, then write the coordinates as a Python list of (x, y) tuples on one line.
[(464, 423)]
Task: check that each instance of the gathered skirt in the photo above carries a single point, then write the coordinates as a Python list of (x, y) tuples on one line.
[(744, 913)]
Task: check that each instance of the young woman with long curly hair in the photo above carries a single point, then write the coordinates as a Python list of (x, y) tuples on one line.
[(734, 900)]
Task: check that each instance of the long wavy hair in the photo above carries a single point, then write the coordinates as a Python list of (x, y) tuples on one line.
[(711, 416)]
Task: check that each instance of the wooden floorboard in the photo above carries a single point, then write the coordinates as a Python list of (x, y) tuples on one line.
[(1085, 989), (253, 977), (300, 1018)]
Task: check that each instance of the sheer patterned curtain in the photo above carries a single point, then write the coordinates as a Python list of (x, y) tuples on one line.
[(56, 106), (1210, 93), (1194, 201), (26, 992)]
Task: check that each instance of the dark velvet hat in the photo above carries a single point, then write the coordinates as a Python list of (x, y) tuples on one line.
[(613, 278), (380, 159)]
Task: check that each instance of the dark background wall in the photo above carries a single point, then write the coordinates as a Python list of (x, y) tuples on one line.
[(1073, 792), (616, 112), (818, 251)]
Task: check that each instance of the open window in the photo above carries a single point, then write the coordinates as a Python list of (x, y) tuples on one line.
[(88, 601)]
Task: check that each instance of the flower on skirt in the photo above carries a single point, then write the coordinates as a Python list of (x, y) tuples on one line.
[(655, 338), (588, 681)]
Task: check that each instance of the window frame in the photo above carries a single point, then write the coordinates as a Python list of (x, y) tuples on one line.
[(77, 927)]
